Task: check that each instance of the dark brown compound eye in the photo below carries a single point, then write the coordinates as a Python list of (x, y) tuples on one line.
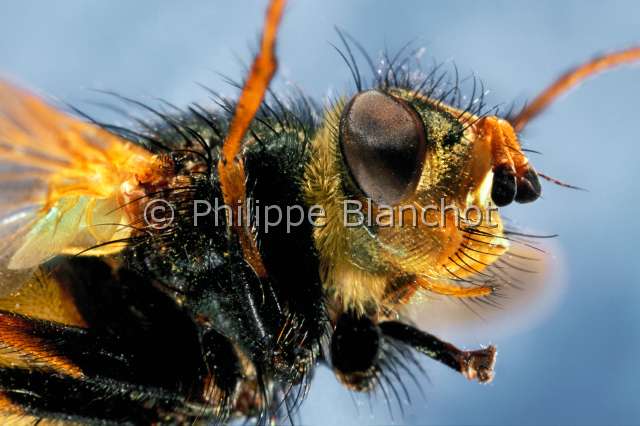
[(383, 144)]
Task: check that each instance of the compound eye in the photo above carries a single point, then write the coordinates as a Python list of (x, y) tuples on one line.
[(383, 144)]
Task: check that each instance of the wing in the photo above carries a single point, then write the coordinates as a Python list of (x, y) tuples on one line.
[(66, 186)]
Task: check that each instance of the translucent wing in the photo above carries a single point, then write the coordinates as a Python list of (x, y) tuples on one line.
[(64, 185)]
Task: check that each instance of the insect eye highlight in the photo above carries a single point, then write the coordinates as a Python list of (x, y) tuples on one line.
[(383, 144)]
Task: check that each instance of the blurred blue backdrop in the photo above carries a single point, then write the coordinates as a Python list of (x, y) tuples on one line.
[(579, 364)]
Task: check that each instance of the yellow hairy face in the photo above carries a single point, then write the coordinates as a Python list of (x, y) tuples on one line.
[(401, 196)]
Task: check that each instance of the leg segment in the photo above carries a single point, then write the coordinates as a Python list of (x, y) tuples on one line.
[(476, 364), (359, 351), (355, 351)]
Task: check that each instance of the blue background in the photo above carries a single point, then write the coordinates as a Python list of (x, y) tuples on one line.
[(578, 364)]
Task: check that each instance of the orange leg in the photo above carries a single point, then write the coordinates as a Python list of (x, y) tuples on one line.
[(230, 166), (448, 289), (571, 79)]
